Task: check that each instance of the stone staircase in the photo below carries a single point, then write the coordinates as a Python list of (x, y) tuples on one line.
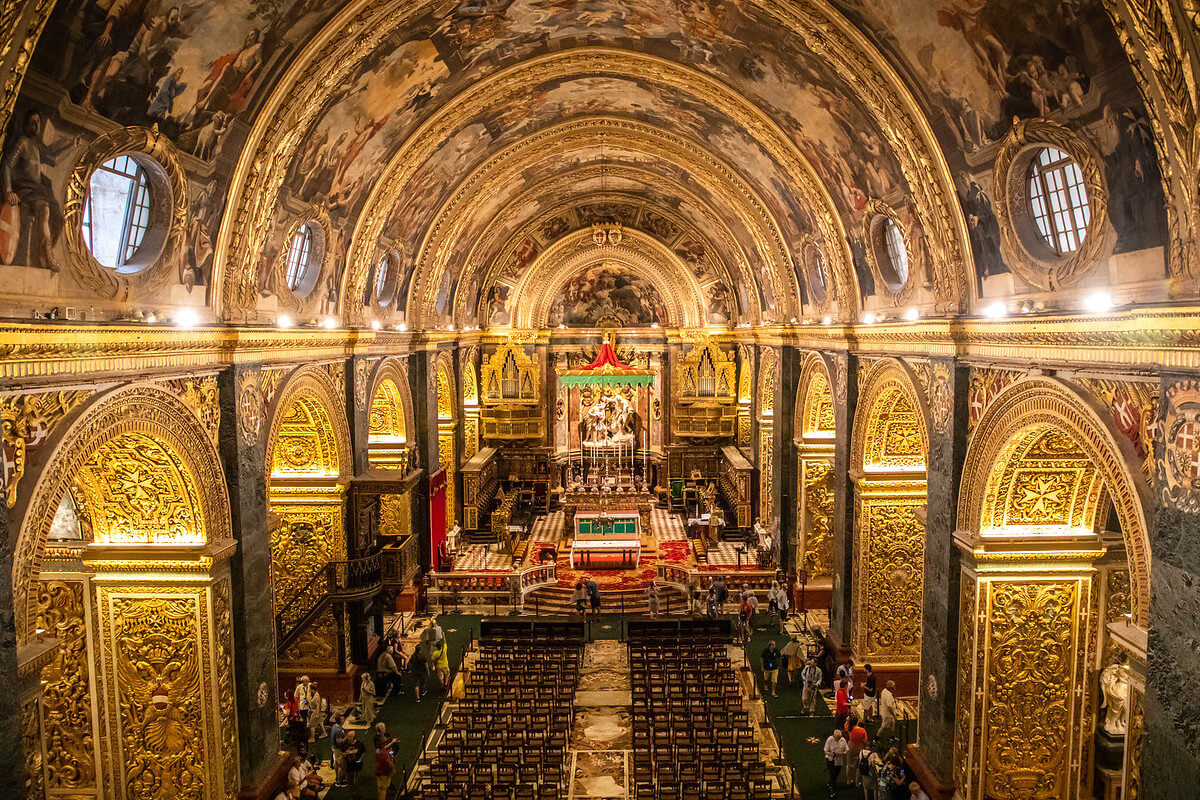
[(556, 600)]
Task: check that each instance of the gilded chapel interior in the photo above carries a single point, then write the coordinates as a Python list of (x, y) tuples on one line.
[(337, 328)]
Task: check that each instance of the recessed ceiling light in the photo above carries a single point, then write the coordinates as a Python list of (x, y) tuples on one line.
[(1098, 302), (995, 310), (283, 321)]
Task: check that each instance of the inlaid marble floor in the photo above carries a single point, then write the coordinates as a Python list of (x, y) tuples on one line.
[(602, 732)]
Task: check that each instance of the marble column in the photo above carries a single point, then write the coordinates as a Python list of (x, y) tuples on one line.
[(12, 767), (786, 464), (1171, 768), (242, 441), (939, 641), (845, 399)]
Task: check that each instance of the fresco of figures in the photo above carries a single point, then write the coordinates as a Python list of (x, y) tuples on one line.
[(606, 296)]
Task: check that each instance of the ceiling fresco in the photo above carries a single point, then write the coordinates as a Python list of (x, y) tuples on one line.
[(200, 74)]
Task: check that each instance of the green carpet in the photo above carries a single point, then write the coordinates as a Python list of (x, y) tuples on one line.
[(802, 737)]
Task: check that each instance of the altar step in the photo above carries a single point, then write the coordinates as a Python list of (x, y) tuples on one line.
[(556, 600)]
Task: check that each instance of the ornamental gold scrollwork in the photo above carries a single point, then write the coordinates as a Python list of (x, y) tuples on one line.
[(966, 672), (316, 645), (890, 428), (304, 539), (31, 746), (817, 558), (889, 576), (26, 422), (67, 724), (159, 697), (202, 397), (1020, 242), (21, 25), (766, 471), (251, 405), (223, 624), (1031, 638)]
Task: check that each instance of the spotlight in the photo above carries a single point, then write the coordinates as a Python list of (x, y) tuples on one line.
[(187, 318), (450, 327), (912, 315), (1098, 302), (376, 324), (995, 310), (402, 326), (150, 318), (654, 325), (329, 323), (869, 319), (826, 320), (284, 321)]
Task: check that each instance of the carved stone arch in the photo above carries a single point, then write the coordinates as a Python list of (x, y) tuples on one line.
[(393, 369), (1039, 400), (314, 389), (816, 382), (139, 409), (883, 382), (768, 376), (641, 254)]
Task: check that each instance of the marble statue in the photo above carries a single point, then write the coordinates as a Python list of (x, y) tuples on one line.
[(1114, 683)]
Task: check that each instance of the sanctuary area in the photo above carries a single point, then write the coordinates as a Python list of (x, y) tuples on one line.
[(581, 399)]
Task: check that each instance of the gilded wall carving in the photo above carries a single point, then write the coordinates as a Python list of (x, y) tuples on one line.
[(888, 579), (307, 536), (1135, 742), (316, 645), (26, 422), (1027, 727), (31, 746), (818, 406), (155, 698), (986, 386), (67, 724), (201, 396), (967, 656), (1042, 481), (817, 557), (1134, 406), (227, 710)]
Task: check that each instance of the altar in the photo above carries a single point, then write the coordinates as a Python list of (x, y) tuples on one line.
[(606, 541)]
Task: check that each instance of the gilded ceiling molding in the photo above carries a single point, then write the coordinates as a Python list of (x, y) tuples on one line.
[(641, 253), (437, 251), (607, 62), (313, 387), (1160, 39), (881, 89), (489, 258), (886, 377), (1039, 400), (145, 411)]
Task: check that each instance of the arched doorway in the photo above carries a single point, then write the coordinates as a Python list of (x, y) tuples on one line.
[(308, 452), (390, 418), (816, 429), (889, 447), (123, 550), (1054, 588)]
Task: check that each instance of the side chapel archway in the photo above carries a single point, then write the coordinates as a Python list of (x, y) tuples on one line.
[(390, 417), (1052, 516), (888, 452), (816, 429), (308, 460), (447, 414), (122, 557)]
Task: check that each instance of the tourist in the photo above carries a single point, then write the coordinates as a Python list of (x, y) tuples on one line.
[(770, 668), (304, 698), (299, 770), (593, 593), (366, 699), (890, 775), (792, 661), (846, 671), (915, 792), (652, 598), (841, 702), (316, 716), (389, 673), (385, 761), (887, 711), (870, 694), (812, 678), (297, 727), (440, 664), (420, 671), (717, 594), (337, 741), (857, 742), (835, 755), (579, 598), (777, 602), (353, 750), (292, 792), (432, 639)]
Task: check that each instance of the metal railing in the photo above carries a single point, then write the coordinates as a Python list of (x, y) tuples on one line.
[(353, 579)]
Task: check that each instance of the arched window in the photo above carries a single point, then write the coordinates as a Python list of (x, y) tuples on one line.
[(897, 256), (299, 257), (117, 214), (1058, 200), (382, 273)]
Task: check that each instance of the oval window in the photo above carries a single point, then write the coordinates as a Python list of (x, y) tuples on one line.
[(119, 226), (300, 257), (890, 253), (1058, 201)]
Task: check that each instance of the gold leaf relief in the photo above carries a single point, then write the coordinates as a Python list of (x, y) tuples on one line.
[(66, 693), (817, 557), (893, 576)]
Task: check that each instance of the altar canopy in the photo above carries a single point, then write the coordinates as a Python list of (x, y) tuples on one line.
[(606, 370)]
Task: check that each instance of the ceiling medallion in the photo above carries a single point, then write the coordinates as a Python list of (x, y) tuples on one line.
[(609, 233)]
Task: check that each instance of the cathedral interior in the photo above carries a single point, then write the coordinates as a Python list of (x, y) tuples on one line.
[(321, 319)]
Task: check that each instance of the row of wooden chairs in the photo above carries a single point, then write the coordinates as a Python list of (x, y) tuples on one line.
[(696, 790), (524, 791)]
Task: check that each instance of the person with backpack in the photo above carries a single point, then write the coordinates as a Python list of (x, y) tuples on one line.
[(812, 677), (770, 668), (337, 741), (857, 737)]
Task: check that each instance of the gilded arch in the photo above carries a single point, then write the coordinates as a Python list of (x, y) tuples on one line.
[(309, 414), (147, 413), (391, 412), (815, 427), (1045, 401), (892, 420), (815, 409)]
